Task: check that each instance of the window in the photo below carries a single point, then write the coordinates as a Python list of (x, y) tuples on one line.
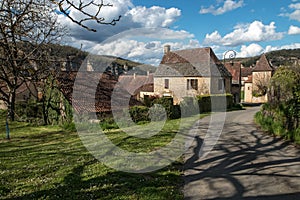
[(192, 84), (167, 84), (221, 84)]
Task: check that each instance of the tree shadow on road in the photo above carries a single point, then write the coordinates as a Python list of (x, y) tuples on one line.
[(237, 157)]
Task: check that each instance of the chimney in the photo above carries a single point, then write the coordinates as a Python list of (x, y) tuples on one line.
[(167, 49)]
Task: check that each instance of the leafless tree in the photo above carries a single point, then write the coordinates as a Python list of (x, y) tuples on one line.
[(261, 84), (26, 29), (82, 7)]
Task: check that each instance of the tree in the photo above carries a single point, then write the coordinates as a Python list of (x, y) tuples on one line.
[(284, 83), (65, 6), (285, 94), (26, 29), (261, 82)]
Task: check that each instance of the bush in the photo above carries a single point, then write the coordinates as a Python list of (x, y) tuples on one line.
[(205, 102), (171, 110), (139, 113), (157, 113), (108, 123), (189, 106), (274, 120)]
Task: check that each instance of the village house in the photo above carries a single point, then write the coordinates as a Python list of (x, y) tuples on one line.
[(256, 84), (190, 72), (235, 69)]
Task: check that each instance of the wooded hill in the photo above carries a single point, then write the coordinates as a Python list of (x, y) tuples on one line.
[(77, 57), (277, 58), (280, 57)]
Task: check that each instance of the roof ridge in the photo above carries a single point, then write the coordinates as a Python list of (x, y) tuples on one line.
[(263, 64)]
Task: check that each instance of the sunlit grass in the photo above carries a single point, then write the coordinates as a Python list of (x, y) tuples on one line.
[(47, 162)]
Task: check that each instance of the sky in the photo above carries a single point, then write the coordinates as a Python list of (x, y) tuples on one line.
[(249, 27)]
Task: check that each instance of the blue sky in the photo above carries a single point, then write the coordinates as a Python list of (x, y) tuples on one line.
[(250, 27)]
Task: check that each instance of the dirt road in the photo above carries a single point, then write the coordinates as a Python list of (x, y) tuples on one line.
[(245, 164)]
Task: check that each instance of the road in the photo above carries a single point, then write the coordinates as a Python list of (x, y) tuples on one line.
[(244, 164)]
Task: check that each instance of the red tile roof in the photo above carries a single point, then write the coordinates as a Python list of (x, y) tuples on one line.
[(249, 79), (246, 71), (191, 62), (234, 68), (262, 64), (90, 97)]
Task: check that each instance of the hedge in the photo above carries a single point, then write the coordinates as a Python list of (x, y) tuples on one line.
[(205, 102)]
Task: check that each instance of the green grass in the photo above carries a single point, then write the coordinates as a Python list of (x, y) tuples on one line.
[(47, 162), (276, 127)]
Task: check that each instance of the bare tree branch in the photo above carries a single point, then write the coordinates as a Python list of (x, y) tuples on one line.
[(66, 5)]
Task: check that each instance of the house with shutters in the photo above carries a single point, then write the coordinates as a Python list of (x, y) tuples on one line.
[(191, 72)]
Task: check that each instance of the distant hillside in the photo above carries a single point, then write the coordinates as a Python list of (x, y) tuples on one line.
[(277, 58), (116, 65)]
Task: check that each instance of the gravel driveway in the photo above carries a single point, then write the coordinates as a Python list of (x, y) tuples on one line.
[(245, 164)]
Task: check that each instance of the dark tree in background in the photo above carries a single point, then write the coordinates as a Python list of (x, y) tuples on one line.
[(27, 28)]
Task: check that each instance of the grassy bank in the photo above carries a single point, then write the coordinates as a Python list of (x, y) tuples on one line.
[(47, 162), (273, 122)]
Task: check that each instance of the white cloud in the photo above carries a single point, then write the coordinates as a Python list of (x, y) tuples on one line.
[(138, 36), (295, 6), (251, 50), (275, 48), (132, 17), (295, 14), (255, 49), (144, 52), (155, 16), (228, 5), (294, 30), (243, 33), (144, 45)]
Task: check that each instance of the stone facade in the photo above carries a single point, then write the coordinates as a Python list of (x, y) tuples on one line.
[(191, 72), (256, 86)]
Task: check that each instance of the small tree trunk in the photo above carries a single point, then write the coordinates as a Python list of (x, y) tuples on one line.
[(11, 106)]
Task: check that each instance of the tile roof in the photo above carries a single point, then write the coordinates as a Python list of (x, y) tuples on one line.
[(91, 98), (246, 71), (250, 79), (136, 83), (191, 62), (262, 64), (24, 91), (235, 70)]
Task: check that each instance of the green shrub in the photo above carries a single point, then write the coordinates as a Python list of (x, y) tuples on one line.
[(69, 127), (139, 113), (189, 106), (273, 119), (157, 113), (205, 102), (167, 102)]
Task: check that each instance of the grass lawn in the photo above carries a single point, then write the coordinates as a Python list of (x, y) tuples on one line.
[(47, 162)]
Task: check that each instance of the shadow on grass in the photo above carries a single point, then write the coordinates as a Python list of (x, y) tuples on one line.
[(112, 185)]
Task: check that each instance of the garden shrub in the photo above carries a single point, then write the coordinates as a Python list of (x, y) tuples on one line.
[(157, 113), (171, 110), (139, 113), (205, 102), (189, 106)]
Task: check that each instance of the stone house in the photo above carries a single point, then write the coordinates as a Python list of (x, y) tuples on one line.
[(235, 69), (191, 72), (256, 85)]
